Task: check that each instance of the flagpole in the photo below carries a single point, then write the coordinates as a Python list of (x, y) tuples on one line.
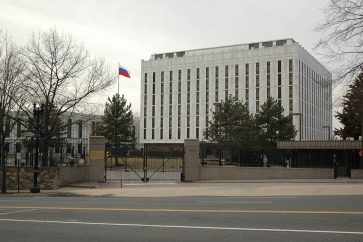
[(118, 80)]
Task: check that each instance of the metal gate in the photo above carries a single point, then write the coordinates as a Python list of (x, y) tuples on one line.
[(152, 163)]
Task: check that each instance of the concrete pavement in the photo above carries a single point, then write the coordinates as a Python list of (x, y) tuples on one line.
[(220, 189), (227, 188)]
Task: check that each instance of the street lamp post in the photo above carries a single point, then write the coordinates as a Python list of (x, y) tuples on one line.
[(327, 127), (300, 124), (38, 108), (218, 105)]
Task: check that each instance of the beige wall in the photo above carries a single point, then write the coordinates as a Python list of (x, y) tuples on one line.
[(238, 173), (97, 158), (68, 175), (191, 160), (357, 174)]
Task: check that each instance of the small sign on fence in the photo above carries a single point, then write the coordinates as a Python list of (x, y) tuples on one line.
[(97, 154)]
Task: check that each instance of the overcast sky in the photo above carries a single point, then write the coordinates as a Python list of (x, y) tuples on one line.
[(126, 31)]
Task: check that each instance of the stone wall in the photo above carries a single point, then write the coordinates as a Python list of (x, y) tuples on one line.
[(48, 178)]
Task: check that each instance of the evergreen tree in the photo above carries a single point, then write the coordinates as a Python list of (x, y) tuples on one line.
[(232, 125), (273, 126), (351, 115), (118, 123), (272, 123)]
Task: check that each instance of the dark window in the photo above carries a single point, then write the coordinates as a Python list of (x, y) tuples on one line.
[(180, 54), (279, 66), (80, 129), (267, 44), (253, 46), (69, 128), (169, 55), (18, 129), (281, 42)]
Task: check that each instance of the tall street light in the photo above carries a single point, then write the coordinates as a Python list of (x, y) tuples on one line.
[(38, 109), (300, 123), (218, 105), (328, 127)]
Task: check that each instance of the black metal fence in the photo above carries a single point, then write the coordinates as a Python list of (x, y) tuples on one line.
[(152, 163), (216, 155), (64, 152), (341, 160)]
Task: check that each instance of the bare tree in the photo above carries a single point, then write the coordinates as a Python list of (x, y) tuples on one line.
[(342, 41), (10, 94), (60, 71)]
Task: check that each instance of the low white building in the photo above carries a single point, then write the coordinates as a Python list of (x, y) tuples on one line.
[(179, 89), (74, 139)]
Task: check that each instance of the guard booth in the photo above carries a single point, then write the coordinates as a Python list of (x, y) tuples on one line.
[(342, 155)]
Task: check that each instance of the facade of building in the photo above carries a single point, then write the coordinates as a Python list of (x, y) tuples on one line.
[(74, 139), (179, 90)]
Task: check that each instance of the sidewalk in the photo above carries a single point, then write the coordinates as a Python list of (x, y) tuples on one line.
[(210, 188)]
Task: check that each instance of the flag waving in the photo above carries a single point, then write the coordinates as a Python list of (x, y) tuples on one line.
[(123, 72)]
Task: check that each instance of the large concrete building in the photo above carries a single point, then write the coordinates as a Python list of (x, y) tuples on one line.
[(179, 89)]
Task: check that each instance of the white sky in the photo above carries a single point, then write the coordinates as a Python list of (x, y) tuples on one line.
[(126, 31)]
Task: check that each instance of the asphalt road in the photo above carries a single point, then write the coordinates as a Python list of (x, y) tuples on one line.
[(305, 218)]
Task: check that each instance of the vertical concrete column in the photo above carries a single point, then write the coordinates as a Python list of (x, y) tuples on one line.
[(96, 158), (191, 160)]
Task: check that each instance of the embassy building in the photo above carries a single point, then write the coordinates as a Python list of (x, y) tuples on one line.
[(180, 90)]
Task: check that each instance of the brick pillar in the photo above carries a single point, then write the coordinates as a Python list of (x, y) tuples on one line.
[(96, 158), (191, 160)]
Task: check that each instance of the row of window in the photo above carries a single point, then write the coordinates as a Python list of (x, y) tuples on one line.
[(236, 86)]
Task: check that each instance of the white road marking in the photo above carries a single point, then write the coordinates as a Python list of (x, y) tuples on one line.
[(232, 202), (19, 211), (186, 227)]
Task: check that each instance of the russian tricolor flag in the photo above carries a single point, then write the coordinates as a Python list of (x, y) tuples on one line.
[(123, 72)]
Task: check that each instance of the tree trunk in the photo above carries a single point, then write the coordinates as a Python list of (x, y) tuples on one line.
[(3, 163)]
